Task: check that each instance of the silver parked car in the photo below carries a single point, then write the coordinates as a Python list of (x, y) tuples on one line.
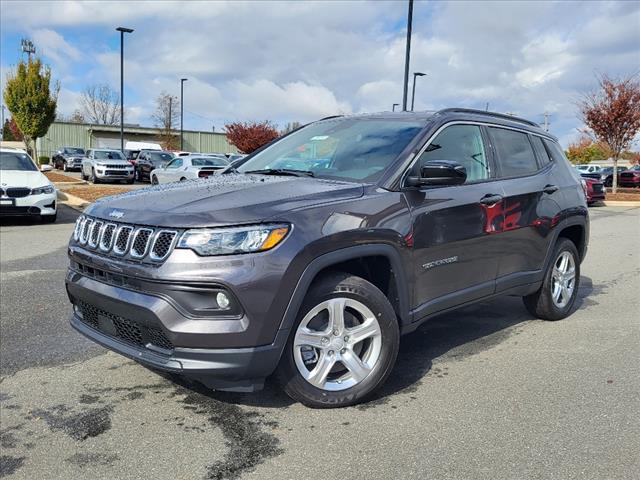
[(188, 167), (103, 164)]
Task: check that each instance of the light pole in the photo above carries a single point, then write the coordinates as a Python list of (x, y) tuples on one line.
[(407, 56), (393, 107), (122, 31), (413, 93), (182, 80)]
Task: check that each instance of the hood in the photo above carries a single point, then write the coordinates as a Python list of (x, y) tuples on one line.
[(232, 199), (20, 178)]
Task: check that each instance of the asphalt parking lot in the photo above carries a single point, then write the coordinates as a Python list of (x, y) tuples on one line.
[(486, 392)]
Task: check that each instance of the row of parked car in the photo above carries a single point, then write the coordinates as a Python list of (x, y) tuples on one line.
[(627, 177), (144, 165)]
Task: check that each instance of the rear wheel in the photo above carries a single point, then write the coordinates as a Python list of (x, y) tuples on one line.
[(557, 295), (343, 346)]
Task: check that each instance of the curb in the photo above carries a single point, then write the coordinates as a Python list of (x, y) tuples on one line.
[(621, 203), (72, 201)]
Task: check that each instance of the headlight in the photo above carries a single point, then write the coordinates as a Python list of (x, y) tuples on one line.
[(225, 241), (41, 190)]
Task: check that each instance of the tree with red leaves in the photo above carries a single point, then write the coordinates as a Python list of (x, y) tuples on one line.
[(249, 136), (612, 113), (11, 131)]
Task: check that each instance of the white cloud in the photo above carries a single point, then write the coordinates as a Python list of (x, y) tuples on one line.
[(289, 61)]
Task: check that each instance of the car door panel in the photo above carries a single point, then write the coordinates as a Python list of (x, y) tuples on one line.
[(454, 227)]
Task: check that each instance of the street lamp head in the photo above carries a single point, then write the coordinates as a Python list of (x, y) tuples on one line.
[(419, 74), (184, 79), (124, 30)]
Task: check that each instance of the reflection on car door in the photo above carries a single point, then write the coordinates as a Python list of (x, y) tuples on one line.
[(455, 252), (529, 205), (171, 173)]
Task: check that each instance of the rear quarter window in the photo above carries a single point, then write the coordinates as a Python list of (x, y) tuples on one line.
[(515, 153), (542, 153)]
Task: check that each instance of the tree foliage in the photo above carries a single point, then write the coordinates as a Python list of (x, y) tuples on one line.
[(166, 117), (11, 132), (101, 104), (249, 136), (586, 150), (612, 113), (31, 99)]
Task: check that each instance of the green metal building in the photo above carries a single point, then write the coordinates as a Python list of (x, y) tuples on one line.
[(84, 135)]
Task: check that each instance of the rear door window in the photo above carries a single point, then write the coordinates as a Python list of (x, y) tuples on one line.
[(515, 153)]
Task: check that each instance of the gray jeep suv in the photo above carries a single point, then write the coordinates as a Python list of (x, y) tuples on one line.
[(312, 256)]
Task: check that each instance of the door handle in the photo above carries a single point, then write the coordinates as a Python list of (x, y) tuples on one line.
[(549, 189), (491, 199)]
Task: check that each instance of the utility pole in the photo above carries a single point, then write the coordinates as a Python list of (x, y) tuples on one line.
[(170, 117), (122, 31), (2, 128), (407, 56), (28, 47), (546, 121), (182, 80), (393, 107)]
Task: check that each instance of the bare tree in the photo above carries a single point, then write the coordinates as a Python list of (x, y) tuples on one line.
[(101, 104), (612, 113), (165, 117)]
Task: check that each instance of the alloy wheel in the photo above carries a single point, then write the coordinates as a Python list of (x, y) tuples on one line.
[(563, 279), (337, 344)]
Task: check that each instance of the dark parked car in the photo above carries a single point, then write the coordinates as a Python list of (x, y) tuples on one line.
[(149, 160), (314, 255), (606, 175), (68, 158), (131, 156), (630, 178), (596, 191)]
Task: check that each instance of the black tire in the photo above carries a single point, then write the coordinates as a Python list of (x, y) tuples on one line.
[(130, 181), (154, 180), (540, 304), (182, 179), (137, 175), (94, 179), (49, 218), (64, 167), (342, 285)]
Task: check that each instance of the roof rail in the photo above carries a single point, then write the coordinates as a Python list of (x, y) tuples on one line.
[(330, 117), (492, 114)]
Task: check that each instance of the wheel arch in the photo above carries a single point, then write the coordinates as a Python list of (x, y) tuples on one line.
[(380, 264)]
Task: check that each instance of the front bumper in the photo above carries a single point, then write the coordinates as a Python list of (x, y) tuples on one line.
[(114, 174), (43, 204), (152, 330)]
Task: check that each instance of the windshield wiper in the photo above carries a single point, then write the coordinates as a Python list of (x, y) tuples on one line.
[(283, 171)]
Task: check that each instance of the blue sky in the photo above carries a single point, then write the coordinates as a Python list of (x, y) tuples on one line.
[(298, 61)]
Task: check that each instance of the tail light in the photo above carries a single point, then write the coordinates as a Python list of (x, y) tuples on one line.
[(584, 187)]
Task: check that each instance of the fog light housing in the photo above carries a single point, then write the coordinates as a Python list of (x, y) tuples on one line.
[(78, 311), (223, 300)]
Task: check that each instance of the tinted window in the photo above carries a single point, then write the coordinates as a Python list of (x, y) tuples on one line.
[(208, 162), (353, 149), (543, 156), (159, 157), (462, 144), (108, 155), (555, 151), (73, 151), (16, 161), (177, 163), (515, 153)]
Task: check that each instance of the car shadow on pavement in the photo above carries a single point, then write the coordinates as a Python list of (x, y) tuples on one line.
[(65, 215), (424, 353)]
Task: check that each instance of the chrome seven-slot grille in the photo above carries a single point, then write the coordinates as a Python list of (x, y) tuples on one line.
[(123, 240)]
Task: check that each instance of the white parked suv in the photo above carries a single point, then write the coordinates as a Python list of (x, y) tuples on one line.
[(104, 164), (24, 190)]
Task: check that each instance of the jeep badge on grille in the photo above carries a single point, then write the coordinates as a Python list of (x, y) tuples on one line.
[(116, 214)]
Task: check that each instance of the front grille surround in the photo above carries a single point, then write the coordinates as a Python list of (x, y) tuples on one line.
[(129, 242)]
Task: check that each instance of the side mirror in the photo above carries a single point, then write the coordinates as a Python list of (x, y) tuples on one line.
[(439, 172)]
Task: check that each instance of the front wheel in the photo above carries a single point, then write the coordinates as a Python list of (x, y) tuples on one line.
[(94, 179), (343, 346), (64, 167), (555, 298), (154, 180)]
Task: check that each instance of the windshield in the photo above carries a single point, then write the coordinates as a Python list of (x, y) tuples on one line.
[(351, 149), (208, 162), (73, 151), (17, 161), (159, 157), (108, 155)]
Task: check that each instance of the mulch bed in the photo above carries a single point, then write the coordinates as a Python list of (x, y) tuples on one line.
[(624, 197), (91, 193), (60, 178)]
